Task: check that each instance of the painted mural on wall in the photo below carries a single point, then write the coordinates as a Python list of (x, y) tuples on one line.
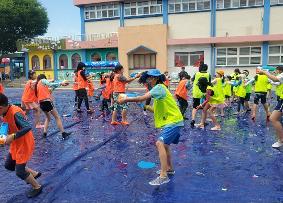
[(66, 75)]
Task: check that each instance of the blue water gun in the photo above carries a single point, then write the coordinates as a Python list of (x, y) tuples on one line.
[(102, 64), (3, 132)]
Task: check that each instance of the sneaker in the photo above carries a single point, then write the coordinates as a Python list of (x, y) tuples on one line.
[(216, 128), (115, 123), (90, 111), (65, 135), (145, 113), (79, 111), (169, 172), (34, 192), (277, 144), (44, 134), (125, 123), (200, 126), (39, 126), (193, 123), (159, 181)]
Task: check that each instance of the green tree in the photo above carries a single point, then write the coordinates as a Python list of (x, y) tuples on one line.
[(20, 19)]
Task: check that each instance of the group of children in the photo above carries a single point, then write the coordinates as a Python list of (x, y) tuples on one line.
[(208, 95)]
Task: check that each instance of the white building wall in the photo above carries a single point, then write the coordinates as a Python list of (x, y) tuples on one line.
[(185, 48), (239, 22), (143, 21), (276, 17), (189, 25), (101, 27)]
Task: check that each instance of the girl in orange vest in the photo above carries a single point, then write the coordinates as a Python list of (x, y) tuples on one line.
[(75, 87), (43, 94), (82, 85), (181, 92), (107, 92), (119, 87), (168, 78), (21, 141), (29, 100)]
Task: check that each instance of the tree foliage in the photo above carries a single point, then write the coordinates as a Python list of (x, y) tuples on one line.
[(20, 19)]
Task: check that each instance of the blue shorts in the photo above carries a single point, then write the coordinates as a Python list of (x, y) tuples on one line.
[(170, 135)]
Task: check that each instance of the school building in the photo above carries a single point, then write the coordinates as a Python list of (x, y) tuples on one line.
[(168, 34)]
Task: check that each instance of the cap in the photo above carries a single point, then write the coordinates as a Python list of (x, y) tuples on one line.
[(220, 72), (154, 72)]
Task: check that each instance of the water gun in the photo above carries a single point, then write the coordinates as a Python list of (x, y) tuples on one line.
[(3, 133), (131, 94), (102, 64), (132, 75)]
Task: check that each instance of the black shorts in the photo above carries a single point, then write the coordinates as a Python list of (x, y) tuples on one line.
[(196, 102), (20, 169), (248, 97), (261, 97), (46, 106), (227, 97), (279, 106)]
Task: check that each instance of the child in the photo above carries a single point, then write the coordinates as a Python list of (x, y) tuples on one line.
[(107, 92), (45, 102), (197, 94), (240, 92), (182, 93), (82, 85), (119, 86), (167, 80), (214, 99), (276, 115), (248, 88), (75, 87), (218, 84), (228, 89), (21, 141), (167, 116), (261, 87), (29, 99)]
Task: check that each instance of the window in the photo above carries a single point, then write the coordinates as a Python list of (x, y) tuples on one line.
[(76, 58), (35, 62), (275, 55), (144, 61), (95, 57), (188, 58), (102, 11), (225, 4), (176, 6), (63, 61), (111, 56), (274, 2), (143, 8), (46, 62), (238, 56)]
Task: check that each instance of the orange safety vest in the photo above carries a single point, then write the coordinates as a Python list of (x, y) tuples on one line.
[(43, 92), (1, 89), (29, 93), (118, 86), (82, 84), (90, 89), (75, 86), (106, 93), (22, 148), (181, 90)]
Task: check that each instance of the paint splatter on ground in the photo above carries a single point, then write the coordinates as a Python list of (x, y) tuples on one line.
[(99, 162)]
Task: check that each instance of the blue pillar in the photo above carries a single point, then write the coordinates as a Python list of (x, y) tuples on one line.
[(265, 31), (121, 7), (212, 34), (165, 11), (83, 38), (12, 65), (26, 65), (55, 65)]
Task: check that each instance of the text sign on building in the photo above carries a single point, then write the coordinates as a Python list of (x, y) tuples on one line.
[(38, 44)]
